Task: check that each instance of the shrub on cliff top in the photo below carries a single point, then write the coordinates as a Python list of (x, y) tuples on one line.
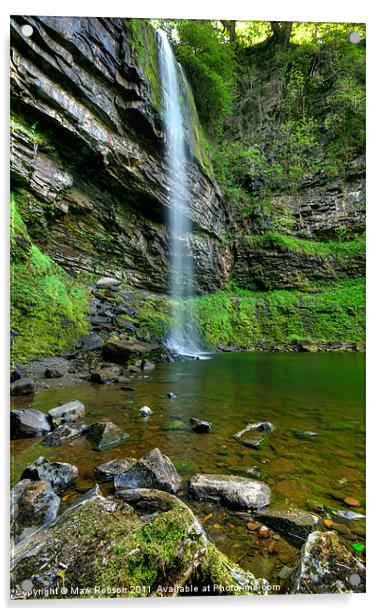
[(209, 62)]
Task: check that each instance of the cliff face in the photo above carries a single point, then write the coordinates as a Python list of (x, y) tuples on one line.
[(321, 212), (89, 180), (87, 162)]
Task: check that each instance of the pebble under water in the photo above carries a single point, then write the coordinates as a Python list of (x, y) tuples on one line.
[(316, 455)]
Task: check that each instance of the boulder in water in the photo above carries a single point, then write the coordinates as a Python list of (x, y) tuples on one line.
[(33, 503), (64, 433), (147, 365), (113, 541), (237, 492), (154, 470), (111, 469), (105, 434), (29, 422), (254, 435), (145, 411), (294, 524), (23, 387), (107, 375), (327, 566), (123, 348), (58, 474), (200, 425), (66, 412)]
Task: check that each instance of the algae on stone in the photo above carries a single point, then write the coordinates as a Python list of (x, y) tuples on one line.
[(104, 543)]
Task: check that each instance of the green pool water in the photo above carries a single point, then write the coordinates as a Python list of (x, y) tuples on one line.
[(297, 392)]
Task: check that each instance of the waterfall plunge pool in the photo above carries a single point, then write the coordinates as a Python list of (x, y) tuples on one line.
[(297, 392)]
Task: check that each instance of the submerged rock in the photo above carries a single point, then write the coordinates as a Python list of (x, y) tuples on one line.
[(327, 566), (33, 503), (114, 546), (172, 426), (106, 375), (58, 474), (171, 395), (23, 387), (252, 471), (64, 433), (200, 425), (349, 515), (105, 434), (294, 524), (147, 365), (66, 412), (29, 422), (253, 435), (111, 469), (154, 470), (307, 435), (231, 490)]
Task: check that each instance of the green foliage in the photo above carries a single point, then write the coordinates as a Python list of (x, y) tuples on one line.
[(356, 246), (209, 62), (19, 126), (152, 313), (331, 313), (298, 110), (48, 308)]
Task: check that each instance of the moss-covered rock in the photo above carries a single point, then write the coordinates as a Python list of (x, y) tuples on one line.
[(255, 319), (103, 547), (48, 307), (276, 261), (124, 348)]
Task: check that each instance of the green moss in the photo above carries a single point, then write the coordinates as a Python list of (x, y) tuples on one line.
[(158, 558), (19, 125), (246, 318), (141, 36), (173, 426), (186, 467), (48, 307), (105, 544), (216, 568), (197, 135), (339, 249), (153, 313)]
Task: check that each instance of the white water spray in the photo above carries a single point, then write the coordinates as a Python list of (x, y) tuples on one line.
[(183, 338)]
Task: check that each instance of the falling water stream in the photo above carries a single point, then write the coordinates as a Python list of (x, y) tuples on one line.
[(183, 337)]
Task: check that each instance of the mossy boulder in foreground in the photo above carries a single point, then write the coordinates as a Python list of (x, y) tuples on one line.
[(105, 547)]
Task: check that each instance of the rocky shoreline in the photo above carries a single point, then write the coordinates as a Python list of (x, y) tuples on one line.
[(142, 534), (118, 345)]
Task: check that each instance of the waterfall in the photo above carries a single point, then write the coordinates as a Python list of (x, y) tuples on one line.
[(183, 337)]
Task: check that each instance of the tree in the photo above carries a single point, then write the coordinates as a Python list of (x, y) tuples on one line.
[(281, 32), (230, 27), (209, 62)]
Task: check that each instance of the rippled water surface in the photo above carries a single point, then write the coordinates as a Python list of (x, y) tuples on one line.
[(320, 393)]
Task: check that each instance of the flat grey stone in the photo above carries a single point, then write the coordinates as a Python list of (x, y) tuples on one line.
[(231, 490)]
